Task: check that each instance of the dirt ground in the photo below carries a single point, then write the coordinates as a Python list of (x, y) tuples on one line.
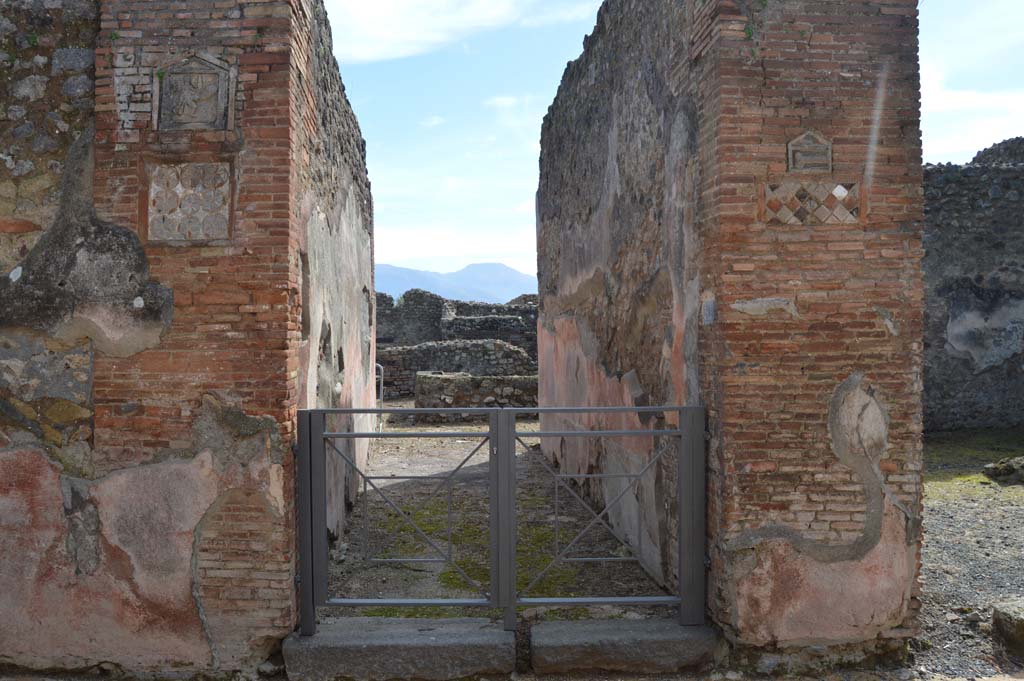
[(451, 516)]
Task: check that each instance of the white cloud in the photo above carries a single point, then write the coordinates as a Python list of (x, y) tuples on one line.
[(958, 123), (501, 102), (432, 122), (390, 29)]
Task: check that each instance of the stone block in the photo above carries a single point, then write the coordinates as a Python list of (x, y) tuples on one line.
[(638, 646), (377, 649), (1008, 626)]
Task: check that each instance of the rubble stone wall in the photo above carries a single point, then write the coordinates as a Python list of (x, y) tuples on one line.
[(163, 275), (477, 357), (413, 318), (423, 317), (729, 215), (438, 390), (512, 329), (974, 292)]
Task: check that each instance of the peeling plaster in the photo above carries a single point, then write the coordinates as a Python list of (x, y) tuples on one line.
[(82, 276), (794, 591)]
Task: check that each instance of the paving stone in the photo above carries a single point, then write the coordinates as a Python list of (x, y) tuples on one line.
[(640, 646), (377, 649)]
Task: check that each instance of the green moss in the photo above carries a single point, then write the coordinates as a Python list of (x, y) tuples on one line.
[(950, 455), (470, 537), (954, 460)]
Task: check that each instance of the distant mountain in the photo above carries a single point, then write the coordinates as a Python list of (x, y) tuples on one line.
[(485, 282)]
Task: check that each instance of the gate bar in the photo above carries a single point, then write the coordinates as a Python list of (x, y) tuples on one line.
[(507, 517)]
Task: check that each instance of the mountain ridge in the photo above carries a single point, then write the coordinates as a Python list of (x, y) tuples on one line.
[(480, 282)]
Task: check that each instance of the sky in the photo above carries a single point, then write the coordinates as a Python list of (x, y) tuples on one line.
[(450, 95)]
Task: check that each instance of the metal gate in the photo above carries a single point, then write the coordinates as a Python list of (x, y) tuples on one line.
[(316, 443)]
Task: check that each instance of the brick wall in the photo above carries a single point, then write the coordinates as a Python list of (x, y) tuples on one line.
[(772, 274), (234, 298), (851, 288), (185, 302)]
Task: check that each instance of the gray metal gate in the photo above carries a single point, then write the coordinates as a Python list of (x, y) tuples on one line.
[(315, 443)]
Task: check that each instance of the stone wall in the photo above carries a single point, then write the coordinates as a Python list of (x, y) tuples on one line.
[(168, 223), (512, 329), (437, 390), (46, 97), (974, 292), (413, 318), (729, 215), (423, 317), (477, 357), (335, 250)]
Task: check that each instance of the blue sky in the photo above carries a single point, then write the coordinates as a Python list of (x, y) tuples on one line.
[(450, 95)]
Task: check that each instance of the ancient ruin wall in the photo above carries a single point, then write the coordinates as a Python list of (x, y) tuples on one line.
[(151, 332), (438, 390), (974, 293), (423, 317), (477, 357), (414, 318), (617, 249), (739, 184), (334, 258)]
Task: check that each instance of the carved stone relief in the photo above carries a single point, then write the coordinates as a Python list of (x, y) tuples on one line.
[(195, 94), (810, 152), (189, 202)]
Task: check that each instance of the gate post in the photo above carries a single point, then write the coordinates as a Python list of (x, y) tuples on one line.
[(506, 558), (691, 502), (303, 509), (318, 504)]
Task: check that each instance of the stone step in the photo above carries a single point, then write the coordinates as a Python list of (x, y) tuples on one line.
[(642, 646), (381, 649)]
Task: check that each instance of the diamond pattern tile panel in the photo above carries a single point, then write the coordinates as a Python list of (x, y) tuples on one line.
[(800, 202)]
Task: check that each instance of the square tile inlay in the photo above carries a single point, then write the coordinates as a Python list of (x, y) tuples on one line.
[(189, 202)]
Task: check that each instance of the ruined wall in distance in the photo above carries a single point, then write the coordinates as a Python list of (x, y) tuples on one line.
[(730, 215), (477, 357), (423, 317), (439, 390), (974, 292)]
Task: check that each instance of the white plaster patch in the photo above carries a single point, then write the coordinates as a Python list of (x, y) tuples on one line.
[(760, 307), (987, 340)]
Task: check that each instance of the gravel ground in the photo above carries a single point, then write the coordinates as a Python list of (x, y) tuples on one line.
[(973, 555)]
